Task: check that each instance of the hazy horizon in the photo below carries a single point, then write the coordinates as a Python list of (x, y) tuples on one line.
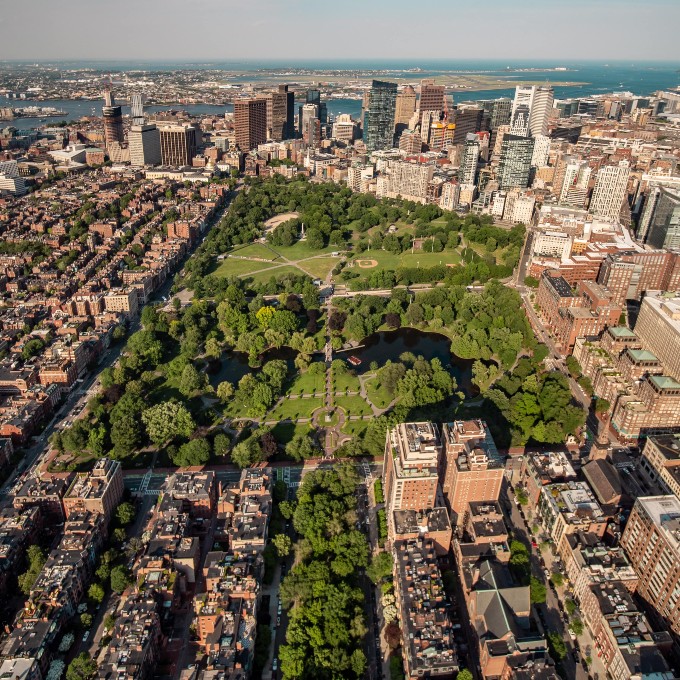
[(262, 30)]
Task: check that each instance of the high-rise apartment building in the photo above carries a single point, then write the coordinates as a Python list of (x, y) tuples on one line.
[(658, 327), (379, 116), (471, 468), (431, 97), (145, 145), (281, 114), (412, 453), (652, 541), (467, 172), (410, 141), (609, 191), (467, 120), (499, 110), (310, 124), (408, 179), (531, 109), (539, 158), (574, 191), (250, 123), (113, 121), (405, 108), (137, 108), (178, 144), (514, 169), (661, 223)]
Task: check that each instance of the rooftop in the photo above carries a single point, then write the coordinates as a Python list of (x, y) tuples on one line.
[(421, 521)]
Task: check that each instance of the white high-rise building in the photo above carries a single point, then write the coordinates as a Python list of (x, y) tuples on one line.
[(539, 158), (537, 101), (575, 185), (408, 180), (144, 142), (10, 179), (610, 190), (468, 164), (450, 194)]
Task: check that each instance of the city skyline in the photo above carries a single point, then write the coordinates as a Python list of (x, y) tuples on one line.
[(506, 29)]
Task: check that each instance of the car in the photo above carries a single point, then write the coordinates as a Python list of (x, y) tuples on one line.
[(547, 573), (275, 664), (576, 655), (86, 636), (533, 543), (278, 611), (278, 620)]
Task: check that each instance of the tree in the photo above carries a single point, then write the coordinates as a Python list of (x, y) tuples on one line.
[(86, 620), (56, 670), (558, 650), (225, 391), (557, 579), (191, 381), (576, 626), (538, 591), (301, 447), (464, 674), (283, 544), (81, 668), (570, 606), (246, 453), (120, 579), (168, 420), (380, 567), (125, 513), (195, 452), (36, 561), (602, 406), (126, 435), (221, 444)]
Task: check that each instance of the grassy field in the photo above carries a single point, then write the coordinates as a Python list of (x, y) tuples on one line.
[(295, 408), (284, 432), (346, 381), (231, 267), (377, 393), (387, 260), (255, 250), (354, 406), (307, 383), (355, 427), (319, 267), (263, 277), (301, 250)]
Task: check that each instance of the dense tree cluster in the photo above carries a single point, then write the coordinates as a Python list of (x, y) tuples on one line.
[(327, 624)]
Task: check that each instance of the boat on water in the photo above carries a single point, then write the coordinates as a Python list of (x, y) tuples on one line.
[(355, 361)]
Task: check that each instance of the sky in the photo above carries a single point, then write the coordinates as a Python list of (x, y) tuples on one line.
[(199, 30)]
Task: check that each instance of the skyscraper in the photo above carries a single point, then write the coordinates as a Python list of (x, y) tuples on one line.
[(113, 120), (310, 125), (250, 123), (531, 109), (610, 190), (431, 97), (575, 185), (145, 145), (663, 230), (405, 108), (281, 114), (178, 144), (137, 108), (379, 116), (515, 162), (499, 110), (468, 164)]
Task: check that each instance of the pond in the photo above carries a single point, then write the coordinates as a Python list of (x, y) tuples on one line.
[(389, 345), (234, 365)]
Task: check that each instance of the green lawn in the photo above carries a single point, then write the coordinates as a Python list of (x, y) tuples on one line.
[(377, 393), (387, 260), (295, 408), (302, 249), (346, 381), (354, 406), (255, 250), (355, 427), (284, 432), (263, 277), (306, 383), (319, 267), (231, 267)]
